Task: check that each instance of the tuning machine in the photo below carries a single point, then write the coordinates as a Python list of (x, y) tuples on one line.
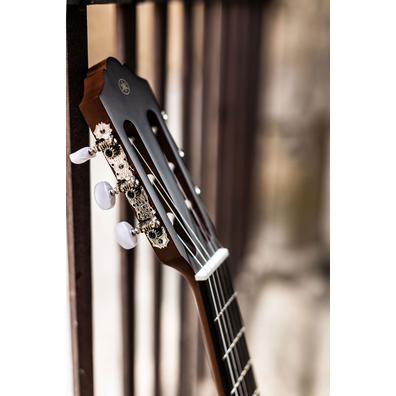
[(105, 194), (83, 155), (126, 235), (109, 147)]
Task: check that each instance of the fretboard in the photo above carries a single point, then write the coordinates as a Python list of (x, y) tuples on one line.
[(228, 334)]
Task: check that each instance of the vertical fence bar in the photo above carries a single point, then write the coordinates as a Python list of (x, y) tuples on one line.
[(126, 34), (210, 104), (254, 74), (227, 122), (128, 309), (193, 23), (184, 385), (160, 47), (187, 71), (126, 41), (78, 205), (186, 138), (237, 118), (210, 119), (239, 207)]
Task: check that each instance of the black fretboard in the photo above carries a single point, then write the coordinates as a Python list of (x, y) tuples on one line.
[(228, 334)]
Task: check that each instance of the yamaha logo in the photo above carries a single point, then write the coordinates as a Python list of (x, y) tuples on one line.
[(124, 87)]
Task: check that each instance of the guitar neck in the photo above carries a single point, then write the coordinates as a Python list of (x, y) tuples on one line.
[(224, 334), (129, 128)]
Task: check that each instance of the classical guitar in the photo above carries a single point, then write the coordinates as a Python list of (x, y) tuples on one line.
[(130, 131)]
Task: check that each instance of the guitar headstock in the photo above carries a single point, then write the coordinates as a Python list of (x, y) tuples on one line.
[(130, 130)]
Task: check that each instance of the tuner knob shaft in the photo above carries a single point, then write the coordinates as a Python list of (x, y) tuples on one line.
[(82, 155), (104, 195), (125, 236)]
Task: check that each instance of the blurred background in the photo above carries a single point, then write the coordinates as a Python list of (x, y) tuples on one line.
[(246, 87)]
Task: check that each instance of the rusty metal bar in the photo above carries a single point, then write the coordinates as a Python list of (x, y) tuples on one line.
[(126, 48), (237, 119), (160, 49), (78, 205)]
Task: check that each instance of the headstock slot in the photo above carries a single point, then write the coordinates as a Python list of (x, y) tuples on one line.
[(162, 192), (179, 175)]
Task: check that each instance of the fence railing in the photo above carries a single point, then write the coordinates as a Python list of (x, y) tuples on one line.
[(206, 54)]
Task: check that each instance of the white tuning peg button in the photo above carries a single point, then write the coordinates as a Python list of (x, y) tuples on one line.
[(103, 196), (82, 155), (124, 235)]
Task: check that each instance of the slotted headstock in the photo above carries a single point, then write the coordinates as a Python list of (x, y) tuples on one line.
[(130, 130)]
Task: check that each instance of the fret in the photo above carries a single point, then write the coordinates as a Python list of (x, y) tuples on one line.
[(239, 335), (233, 324), (226, 306), (241, 377), (227, 330), (225, 325)]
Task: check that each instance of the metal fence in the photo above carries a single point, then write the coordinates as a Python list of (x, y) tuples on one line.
[(219, 84)]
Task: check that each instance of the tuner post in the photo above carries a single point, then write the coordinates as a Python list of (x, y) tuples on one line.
[(105, 195), (164, 115), (126, 235), (108, 147), (82, 155)]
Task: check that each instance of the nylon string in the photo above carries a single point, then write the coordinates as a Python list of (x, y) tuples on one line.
[(209, 279)]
